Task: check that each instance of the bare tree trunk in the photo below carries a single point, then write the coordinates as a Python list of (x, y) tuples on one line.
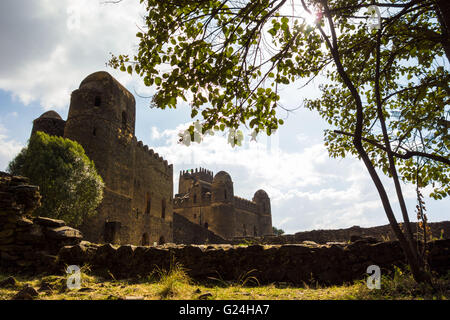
[(410, 253), (389, 153)]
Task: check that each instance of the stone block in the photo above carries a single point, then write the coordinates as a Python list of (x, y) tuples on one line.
[(6, 233), (62, 233), (48, 222)]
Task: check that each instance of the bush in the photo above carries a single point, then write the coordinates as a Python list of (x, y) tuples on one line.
[(70, 186), (277, 232)]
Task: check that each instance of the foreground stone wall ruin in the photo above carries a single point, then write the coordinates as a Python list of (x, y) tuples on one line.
[(329, 264), (36, 244), (29, 243), (439, 230)]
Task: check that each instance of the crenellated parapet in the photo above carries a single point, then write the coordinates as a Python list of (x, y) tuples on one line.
[(152, 156), (198, 173), (248, 205)]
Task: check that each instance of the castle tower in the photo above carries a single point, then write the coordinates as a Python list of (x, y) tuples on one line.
[(187, 178), (101, 111), (49, 122), (222, 188), (137, 199), (262, 201), (222, 218), (102, 119)]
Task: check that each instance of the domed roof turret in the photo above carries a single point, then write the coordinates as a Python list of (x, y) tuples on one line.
[(222, 177), (260, 194), (50, 115), (101, 79), (97, 77)]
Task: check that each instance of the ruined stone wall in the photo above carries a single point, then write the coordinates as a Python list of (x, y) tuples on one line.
[(381, 233), (329, 264), (28, 243)]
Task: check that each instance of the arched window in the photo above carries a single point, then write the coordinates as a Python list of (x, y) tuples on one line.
[(195, 198), (163, 208), (124, 120), (94, 132), (149, 204), (97, 101), (225, 194)]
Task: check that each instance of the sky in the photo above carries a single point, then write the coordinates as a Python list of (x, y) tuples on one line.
[(49, 47)]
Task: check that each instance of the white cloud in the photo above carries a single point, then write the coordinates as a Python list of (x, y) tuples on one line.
[(8, 148), (306, 187), (49, 47)]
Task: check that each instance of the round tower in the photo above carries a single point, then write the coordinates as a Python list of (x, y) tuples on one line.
[(262, 201), (102, 119), (222, 219), (222, 188), (49, 122), (101, 110)]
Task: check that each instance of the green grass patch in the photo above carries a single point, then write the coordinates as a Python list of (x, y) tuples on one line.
[(175, 283)]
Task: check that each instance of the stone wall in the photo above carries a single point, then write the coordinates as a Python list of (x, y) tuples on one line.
[(28, 243), (187, 232), (381, 233), (334, 263), (37, 244)]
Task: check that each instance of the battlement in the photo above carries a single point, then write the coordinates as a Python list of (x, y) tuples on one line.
[(241, 203), (140, 146), (198, 173)]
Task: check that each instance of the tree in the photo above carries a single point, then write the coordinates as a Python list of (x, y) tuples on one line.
[(70, 186), (277, 232), (386, 90)]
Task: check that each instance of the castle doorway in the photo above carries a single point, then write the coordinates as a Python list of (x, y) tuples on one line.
[(161, 240), (145, 240), (111, 231)]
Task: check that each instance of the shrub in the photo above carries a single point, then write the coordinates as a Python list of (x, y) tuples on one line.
[(70, 186)]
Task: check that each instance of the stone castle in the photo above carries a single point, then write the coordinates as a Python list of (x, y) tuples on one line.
[(138, 204), (210, 201)]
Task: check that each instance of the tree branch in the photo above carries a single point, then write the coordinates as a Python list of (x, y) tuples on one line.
[(409, 154)]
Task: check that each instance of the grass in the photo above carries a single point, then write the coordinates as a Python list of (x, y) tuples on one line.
[(176, 284)]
